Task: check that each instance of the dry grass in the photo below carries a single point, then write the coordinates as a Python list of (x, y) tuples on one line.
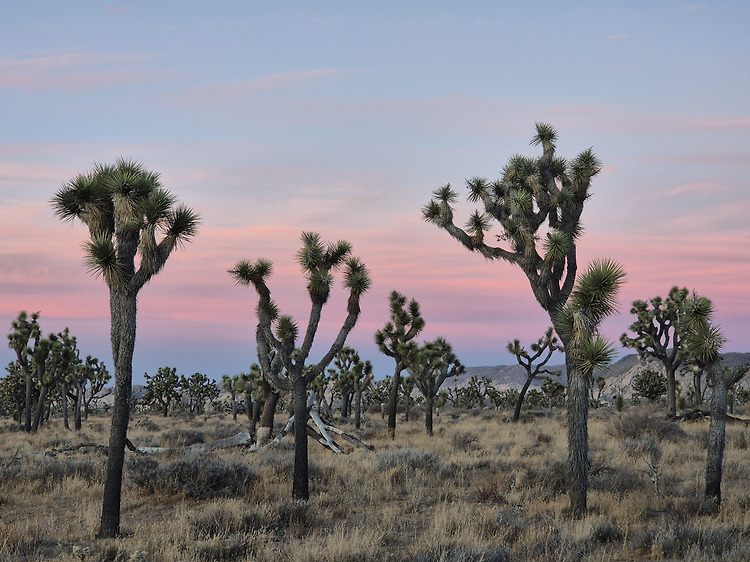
[(481, 489)]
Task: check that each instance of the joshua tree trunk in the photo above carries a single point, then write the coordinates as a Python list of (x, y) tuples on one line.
[(429, 405), (266, 418), (519, 402), (722, 382), (698, 398), (358, 409), (39, 412), (300, 488), (393, 402), (64, 398), (29, 401), (578, 444), (78, 407), (123, 309)]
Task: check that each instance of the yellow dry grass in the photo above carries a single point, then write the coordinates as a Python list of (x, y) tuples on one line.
[(481, 489)]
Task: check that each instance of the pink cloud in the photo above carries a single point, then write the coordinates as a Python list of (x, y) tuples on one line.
[(74, 71), (264, 84)]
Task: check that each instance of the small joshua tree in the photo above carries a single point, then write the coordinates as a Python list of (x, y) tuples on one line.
[(542, 351), (429, 366), (396, 340), (277, 335)]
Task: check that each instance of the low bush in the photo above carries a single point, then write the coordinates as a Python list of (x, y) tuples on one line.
[(195, 477)]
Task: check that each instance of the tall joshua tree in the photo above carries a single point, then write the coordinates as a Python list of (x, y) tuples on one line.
[(538, 204), (134, 226), (396, 340), (429, 366), (279, 333)]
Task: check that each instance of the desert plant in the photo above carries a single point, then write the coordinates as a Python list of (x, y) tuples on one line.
[(650, 384), (429, 366), (659, 333), (124, 207), (396, 340), (199, 390), (532, 192), (162, 388), (279, 333), (542, 352)]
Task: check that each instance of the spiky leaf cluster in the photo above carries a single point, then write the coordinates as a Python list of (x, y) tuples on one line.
[(128, 214), (277, 335), (533, 195)]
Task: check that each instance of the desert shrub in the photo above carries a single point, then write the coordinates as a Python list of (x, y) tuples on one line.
[(194, 477), (182, 437), (222, 431), (45, 473), (548, 480), (147, 425), (617, 480), (465, 441), (411, 459), (638, 423)]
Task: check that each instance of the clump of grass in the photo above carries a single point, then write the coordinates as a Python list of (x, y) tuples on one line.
[(195, 477), (411, 459), (639, 423), (182, 437), (465, 441)]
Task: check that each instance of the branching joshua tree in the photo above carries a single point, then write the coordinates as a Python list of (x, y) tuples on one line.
[(429, 365), (396, 340), (24, 338), (343, 377), (542, 352), (362, 378), (658, 334), (134, 226), (538, 204), (279, 333), (199, 390), (162, 388)]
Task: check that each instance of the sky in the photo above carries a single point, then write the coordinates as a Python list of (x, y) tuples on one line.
[(274, 118)]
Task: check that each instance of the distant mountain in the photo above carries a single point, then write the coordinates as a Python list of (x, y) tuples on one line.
[(619, 375)]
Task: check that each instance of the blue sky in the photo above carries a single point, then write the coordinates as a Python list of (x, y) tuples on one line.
[(342, 118)]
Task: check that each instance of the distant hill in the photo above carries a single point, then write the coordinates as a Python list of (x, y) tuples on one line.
[(619, 375)]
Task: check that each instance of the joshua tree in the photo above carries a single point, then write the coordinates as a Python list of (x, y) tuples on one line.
[(163, 388), (553, 390), (13, 390), (396, 341), (362, 379), (658, 334), (429, 366), (24, 338), (343, 377), (125, 209), (97, 377), (705, 340), (279, 333), (230, 385), (199, 389), (537, 199), (543, 348)]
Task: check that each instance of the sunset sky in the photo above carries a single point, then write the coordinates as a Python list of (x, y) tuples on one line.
[(273, 118)]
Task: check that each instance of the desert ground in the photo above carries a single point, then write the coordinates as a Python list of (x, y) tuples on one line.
[(481, 489)]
